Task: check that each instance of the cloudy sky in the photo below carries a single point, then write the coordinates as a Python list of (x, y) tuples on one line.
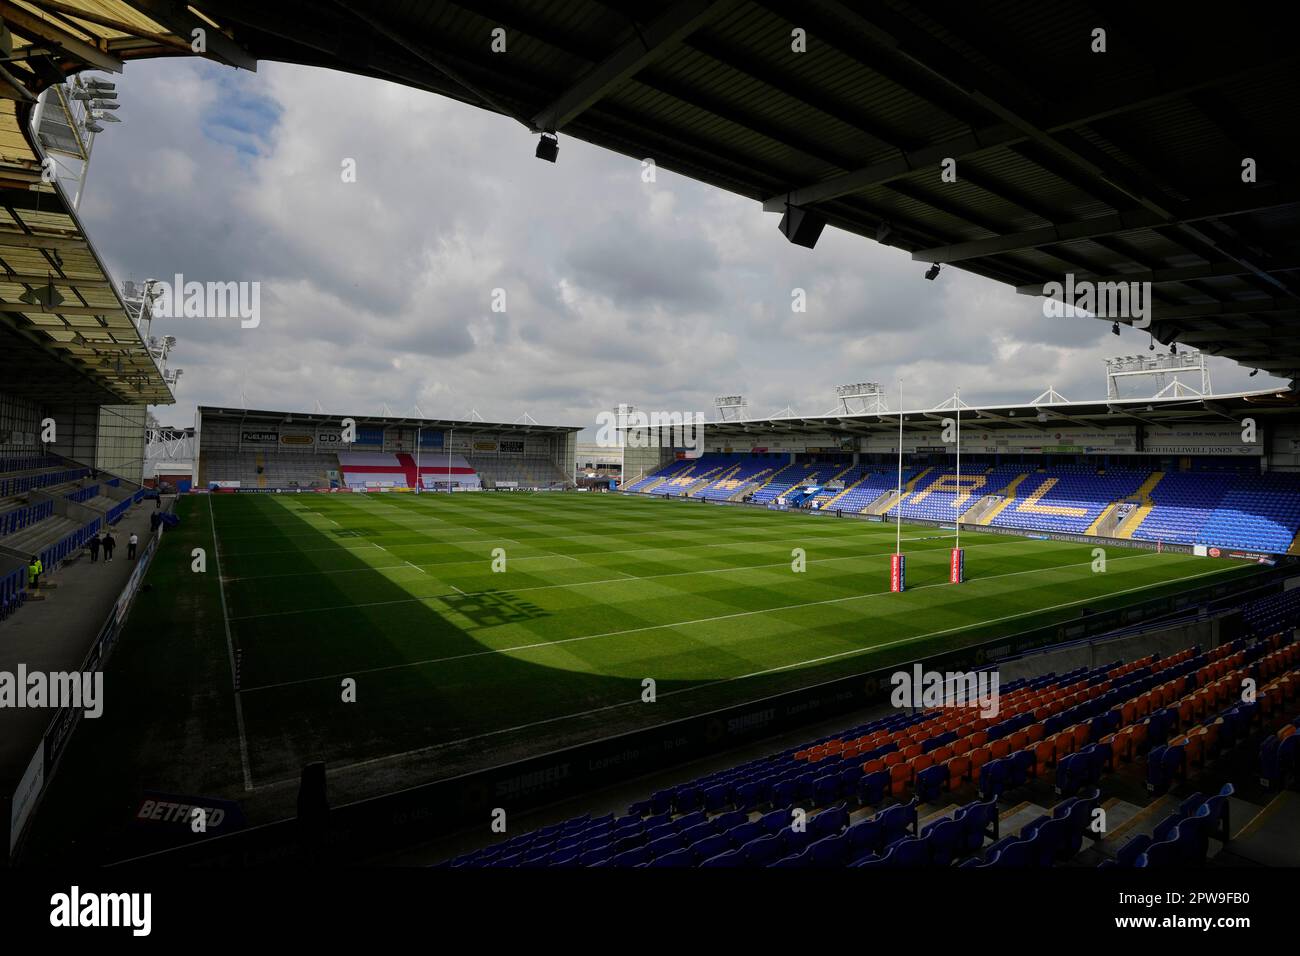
[(380, 291)]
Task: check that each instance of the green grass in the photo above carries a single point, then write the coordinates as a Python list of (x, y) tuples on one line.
[(459, 666)]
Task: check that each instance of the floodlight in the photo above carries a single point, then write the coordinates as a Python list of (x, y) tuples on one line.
[(48, 297), (548, 147), (932, 272)]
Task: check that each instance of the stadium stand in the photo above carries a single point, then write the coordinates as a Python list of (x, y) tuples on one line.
[(51, 508), (1184, 502), (1165, 718), (1216, 507), (1067, 498), (506, 472), (264, 469), (270, 450), (737, 477), (1258, 512), (945, 497), (1252, 512), (370, 469), (674, 479), (797, 472)]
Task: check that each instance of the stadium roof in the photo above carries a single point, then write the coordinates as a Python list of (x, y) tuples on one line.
[(263, 416), (1117, 166), (86, 347), (1112, 413)]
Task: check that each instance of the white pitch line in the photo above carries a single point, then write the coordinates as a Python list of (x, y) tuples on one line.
[(582, 584), (722, 617), (728, 680), (685, 528), (230, 651)]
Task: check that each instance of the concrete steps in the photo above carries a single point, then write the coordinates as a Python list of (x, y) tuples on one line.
[(891, 498), (1009, 495), (1135, 518)]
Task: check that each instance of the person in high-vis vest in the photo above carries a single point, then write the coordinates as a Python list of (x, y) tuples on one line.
[(34, 569)]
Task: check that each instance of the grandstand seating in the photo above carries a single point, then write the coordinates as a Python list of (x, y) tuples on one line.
[(849, 478), (33, 480), (20, 517), (670, 470), (1173, 714), (1223, 508), (1248, 511), (782, 481), (1067, 499), (261, 469), (940, 496), (743, 472), (508, 472), (1257, 512), (1184, 502), (51, 508), (874, 484), (680, 477), (360, 469)]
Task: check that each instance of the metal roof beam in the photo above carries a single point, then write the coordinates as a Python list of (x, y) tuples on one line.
[(1241, 307), (28, 25), (1230, 204), (647, 46), (1220, 269), (23, 307), (176, 16)]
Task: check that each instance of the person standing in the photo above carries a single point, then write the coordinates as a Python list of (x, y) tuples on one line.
[(34, 569), (93, 544), (131, 542), (109, 544)]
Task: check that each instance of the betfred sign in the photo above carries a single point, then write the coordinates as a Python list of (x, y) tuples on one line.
[(957, 566), (199, 815), (897, 572)]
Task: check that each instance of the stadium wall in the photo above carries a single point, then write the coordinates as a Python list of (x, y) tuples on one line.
[(421, 813), (1284, 447), (76, 426), (120, 439), (642, 461), (298, 450), (20, 426), (17, 807)]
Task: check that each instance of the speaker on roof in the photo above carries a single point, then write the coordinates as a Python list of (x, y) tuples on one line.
[(802, 226)]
